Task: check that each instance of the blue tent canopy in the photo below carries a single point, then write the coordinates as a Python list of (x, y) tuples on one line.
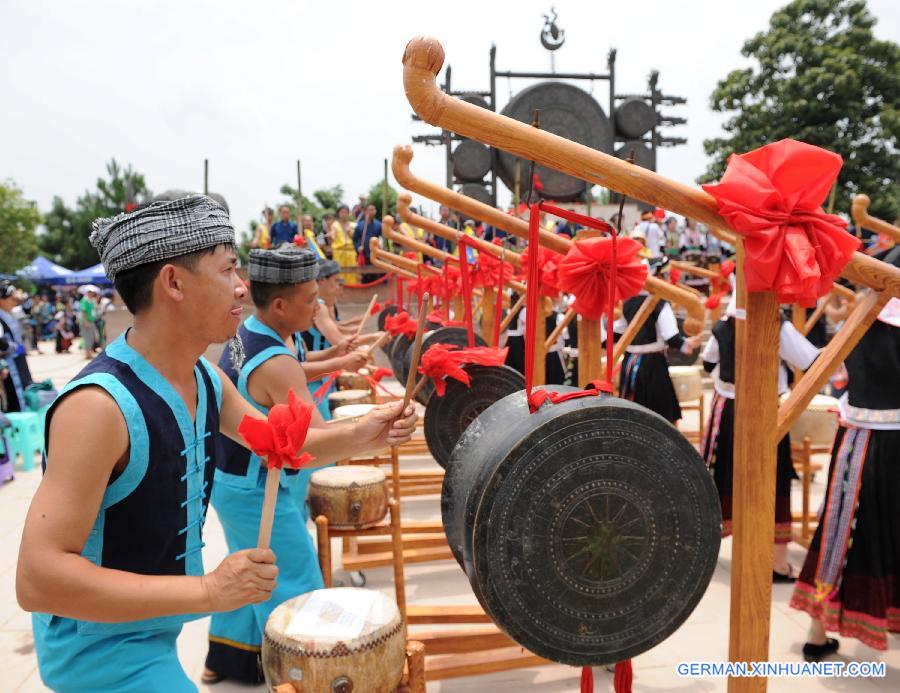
[(43, 271), (90, 275)]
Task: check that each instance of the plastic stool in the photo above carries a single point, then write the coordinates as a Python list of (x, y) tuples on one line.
[(26, 437), (7, 462)]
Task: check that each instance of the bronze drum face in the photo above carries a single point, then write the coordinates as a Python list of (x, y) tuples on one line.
[(566, 111), (643, 156), (471, 161), (635, 117), (589, 530), (398, 347), (447, 417), (456, 336)]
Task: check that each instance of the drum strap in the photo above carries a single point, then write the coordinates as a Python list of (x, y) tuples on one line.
[(536, 399), (466, 280)]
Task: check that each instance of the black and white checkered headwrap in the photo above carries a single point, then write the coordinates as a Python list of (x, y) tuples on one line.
[(161, 231), (328, 268), (285, 265)]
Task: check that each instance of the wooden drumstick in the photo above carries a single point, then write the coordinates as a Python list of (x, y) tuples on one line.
[(366, 316), (417, 353), (383, 339), (273, 475)]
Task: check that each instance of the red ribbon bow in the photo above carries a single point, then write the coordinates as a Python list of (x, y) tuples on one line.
[(492, 272), (447, 361), (280, 437), (401, 323), (548, 262), (585, 273), (773, 196)]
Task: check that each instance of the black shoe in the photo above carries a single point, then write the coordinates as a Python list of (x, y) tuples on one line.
[(210, 678), (816, 653), (784, 577)]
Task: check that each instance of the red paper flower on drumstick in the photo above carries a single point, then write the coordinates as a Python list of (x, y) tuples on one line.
[(280, 438), (773, 197), (713, 301), (446, 361), (401, 323), (585, 272)]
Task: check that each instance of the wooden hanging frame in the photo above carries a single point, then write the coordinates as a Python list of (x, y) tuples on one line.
[(759, 422), (589, 347), (489, 296)]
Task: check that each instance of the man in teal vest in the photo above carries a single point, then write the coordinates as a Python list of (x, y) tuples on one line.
[(110, 559)]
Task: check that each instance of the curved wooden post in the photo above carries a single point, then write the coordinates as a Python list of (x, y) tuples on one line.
[(438, 229), (859, 210)]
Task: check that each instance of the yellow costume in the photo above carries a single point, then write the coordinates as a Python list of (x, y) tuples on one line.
[(413, 233), (343, 252)]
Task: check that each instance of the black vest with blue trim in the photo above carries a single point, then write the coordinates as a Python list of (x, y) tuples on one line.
[(647, 333), (152, 513), (233, 461)]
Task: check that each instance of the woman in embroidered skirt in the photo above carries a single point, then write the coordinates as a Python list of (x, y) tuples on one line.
[(718, 438), (850, 582)]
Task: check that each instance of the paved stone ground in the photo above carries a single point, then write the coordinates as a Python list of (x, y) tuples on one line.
[(703, 637)]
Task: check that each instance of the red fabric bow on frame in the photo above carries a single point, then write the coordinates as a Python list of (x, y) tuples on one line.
[(492, 272), (585, 272), (447, 361), (280, 437), (548, 264), (401, 323), (773, 197)]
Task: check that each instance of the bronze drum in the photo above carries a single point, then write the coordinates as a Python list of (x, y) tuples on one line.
[(588, 530)]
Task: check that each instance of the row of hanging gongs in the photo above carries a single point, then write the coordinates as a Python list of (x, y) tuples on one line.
[(447, 416), (588, 530)]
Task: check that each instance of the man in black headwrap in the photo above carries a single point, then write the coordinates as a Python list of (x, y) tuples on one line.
[(110, 556)]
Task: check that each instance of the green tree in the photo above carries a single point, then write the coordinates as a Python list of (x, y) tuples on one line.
[(18, 220), (68, 230), (329, 198), (311, 207), (822, 77), (376, 192)]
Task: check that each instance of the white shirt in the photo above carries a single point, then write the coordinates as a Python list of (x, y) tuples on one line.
[(519, 331), (793, 348), (654, 237), (666, 328)]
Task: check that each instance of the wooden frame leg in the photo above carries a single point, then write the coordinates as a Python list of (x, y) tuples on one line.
[(323, 544), (397, 546), (415, 666)]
